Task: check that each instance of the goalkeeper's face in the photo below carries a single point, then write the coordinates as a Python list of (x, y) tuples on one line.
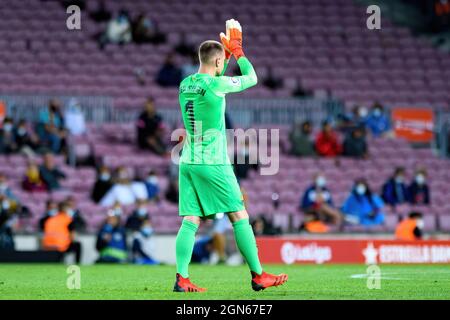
[(219, 62)]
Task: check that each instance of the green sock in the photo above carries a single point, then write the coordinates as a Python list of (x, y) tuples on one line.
[(184, 246), (245, 240)]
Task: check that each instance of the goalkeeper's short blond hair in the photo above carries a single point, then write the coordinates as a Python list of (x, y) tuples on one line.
[(208, 50)]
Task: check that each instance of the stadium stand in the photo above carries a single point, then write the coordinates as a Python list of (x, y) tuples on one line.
[(40, 56)]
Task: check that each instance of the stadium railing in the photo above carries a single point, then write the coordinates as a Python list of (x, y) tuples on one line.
[(97, 109)]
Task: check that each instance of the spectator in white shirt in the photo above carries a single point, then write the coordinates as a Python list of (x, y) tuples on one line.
[(122, 191), (75, 122), (119, 29)]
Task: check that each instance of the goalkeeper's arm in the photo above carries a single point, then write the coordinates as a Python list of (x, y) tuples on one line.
[(223, 84)]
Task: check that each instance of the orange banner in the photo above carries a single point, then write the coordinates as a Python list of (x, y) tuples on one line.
[(413, 124)]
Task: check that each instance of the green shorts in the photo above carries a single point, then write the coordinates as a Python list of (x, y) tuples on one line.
[(208, 189)]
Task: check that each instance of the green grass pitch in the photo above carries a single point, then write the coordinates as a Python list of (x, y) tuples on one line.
[(43, 281)]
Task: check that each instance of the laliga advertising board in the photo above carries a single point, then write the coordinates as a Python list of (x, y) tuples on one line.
[(290, 251)]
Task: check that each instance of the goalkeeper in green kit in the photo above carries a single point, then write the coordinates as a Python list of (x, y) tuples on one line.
[(207, 184)]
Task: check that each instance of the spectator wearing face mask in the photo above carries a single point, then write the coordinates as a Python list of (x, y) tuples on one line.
[(355, 119), (59, 233), (5, 190), (102, 185), (121, 192), (139, 215), (8, 143), (317, 198), (75, 121), (418, 191), (143, 248), (117, 210), (395, 191), (410, 228), (79, 224), (32, 181), (51, 209), (152, 185), (378, 122), (362, 206), (111, 240), (50, 128), (327, 142), (27, 142), (118, 30)]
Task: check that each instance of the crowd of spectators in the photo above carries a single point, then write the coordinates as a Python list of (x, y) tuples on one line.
[(120, 188), (62, 221), (353, 127), (122, 29), (363, 206), (47, 134)]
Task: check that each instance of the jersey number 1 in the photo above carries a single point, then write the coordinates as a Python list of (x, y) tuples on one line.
[(189, 109)]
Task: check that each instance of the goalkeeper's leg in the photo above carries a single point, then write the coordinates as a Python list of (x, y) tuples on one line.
[(184, 246), (246, 242)]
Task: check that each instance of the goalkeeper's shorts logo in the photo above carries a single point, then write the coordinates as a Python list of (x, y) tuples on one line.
[(235, 81)]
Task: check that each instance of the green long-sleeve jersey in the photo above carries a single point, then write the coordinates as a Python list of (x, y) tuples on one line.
[(202, 102)]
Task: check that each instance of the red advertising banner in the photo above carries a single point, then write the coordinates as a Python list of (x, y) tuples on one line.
[(289, 251), (413, 124)]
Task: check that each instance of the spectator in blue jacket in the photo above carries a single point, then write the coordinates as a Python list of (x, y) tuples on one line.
[(170, 74), (317, 198), (419, 192), (50, 127), (111, 240), (378, 122), (143, 246), (395, 190), (203, 249), (152, 185), (362, 206), (139, 215)]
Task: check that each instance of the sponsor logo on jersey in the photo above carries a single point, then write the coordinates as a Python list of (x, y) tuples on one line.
[(235, 81)]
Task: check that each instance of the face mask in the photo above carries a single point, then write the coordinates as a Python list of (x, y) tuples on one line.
[(360, 189), (7, 127), (152, 180), (105, 176), (117, 212), (52, 212), (5, 204), (142, 212), (70, 212), (420, 179), (21, 131), (147, 231), (420, 224), (377, 112), (3, 186), (363, 112), (321, 181)]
